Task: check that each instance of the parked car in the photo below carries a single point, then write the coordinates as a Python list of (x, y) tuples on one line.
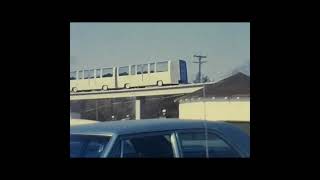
[(159, 138)]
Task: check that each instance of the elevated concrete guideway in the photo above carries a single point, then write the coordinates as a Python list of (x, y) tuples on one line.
[(149, 102), (138, 92)]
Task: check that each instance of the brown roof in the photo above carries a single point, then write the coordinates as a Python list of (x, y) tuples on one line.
[(237, 84)]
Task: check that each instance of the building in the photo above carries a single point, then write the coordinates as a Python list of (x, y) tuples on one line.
[(225, 100)]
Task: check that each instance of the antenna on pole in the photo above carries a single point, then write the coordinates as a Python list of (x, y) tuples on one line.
[(200, 62)]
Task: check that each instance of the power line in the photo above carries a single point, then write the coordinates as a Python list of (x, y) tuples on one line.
[(200, 62)]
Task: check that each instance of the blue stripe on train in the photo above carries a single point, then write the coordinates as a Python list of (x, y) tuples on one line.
[(183, 72)]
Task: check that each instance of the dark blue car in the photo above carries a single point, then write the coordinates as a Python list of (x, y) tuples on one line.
[(159, 138)]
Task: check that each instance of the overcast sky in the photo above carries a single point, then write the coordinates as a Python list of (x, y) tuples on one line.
[(226, 45)]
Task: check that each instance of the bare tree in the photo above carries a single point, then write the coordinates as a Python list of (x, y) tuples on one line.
[(204, 79)]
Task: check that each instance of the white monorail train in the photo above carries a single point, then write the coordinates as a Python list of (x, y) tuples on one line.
[(142, 75)]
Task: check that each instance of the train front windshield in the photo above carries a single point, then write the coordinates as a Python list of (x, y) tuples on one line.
[(89, 146)]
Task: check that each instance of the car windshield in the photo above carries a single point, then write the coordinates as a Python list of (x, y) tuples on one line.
[(87, 145)]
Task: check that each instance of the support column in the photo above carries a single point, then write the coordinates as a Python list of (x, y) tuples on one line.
[(138, 108), (97, 110)]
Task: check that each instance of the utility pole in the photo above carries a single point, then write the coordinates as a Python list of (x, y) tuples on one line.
[(200, 63)]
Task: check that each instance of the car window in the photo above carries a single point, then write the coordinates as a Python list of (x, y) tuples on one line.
[(94, 148), (218, 148), (76, 148), (115, 150), (129, 150), (193, 144), (152, 146), (87, 145)]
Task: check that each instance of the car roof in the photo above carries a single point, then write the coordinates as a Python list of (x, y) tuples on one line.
[(140, 126), (124, 127)]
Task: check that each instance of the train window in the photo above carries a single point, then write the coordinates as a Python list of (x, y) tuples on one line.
[(133, 70), (86, 74), (107, 72), (152, 68), (162, 66), (145, 69), (80, 75), (91, 74), (139, 69), (123, 71), (98, 73), (73, 75)]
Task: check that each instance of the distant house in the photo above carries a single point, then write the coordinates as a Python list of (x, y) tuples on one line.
[(226, 100)]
